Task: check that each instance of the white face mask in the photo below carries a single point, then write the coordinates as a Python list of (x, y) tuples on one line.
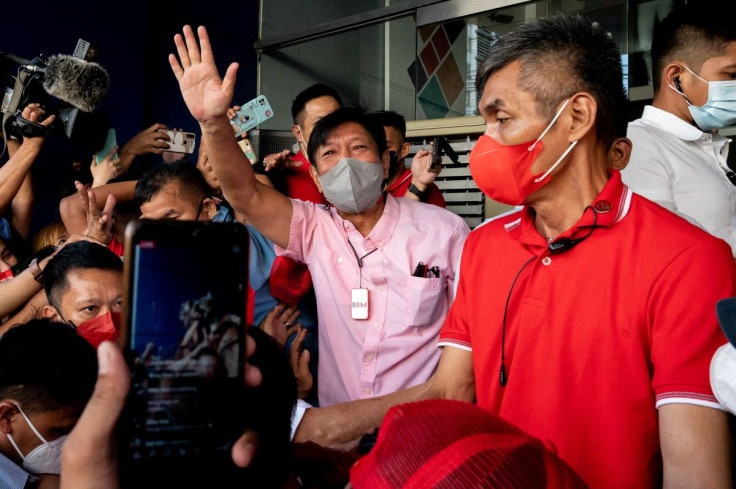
[(720, 109), (352, 185), (45, 458)]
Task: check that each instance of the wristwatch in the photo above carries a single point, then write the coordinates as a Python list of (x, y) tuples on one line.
[(422, 194), (36, 271)]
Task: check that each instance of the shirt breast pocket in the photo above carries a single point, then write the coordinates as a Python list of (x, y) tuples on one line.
[(425, 300)]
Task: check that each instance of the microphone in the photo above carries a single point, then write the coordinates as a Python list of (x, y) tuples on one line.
[(80, 83)]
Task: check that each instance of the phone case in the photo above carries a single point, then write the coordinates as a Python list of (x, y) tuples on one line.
[(251, 114), (180, 141), (110, 143), (248, 150)]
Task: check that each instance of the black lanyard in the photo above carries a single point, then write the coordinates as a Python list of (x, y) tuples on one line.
[(360, 262)]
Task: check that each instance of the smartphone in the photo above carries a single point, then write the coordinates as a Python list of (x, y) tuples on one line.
[(180, 141), (110, 142), (251, 114), (183, 334), (441, 147), (248, 150)]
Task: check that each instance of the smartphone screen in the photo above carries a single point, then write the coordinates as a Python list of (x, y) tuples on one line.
[(184, 338), (110, 142)]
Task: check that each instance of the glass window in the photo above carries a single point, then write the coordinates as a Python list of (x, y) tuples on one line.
[(356, 63), (425, 72)]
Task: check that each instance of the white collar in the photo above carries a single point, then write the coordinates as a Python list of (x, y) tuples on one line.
[(671, 123)]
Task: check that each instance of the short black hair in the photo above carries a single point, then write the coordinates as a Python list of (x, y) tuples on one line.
[(46, 366), (693, 34), (315, 91), (561, 55), (185, 173), (75, 256), (389, 118), (327, 125)]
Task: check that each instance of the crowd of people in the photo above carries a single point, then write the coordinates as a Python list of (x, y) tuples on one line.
[(572, 342)]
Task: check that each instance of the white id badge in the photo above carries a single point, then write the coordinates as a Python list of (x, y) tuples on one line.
[(359, 304)]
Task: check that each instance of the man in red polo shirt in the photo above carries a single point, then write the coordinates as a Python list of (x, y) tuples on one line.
[(587, 318), (308, 107), (415, 183)]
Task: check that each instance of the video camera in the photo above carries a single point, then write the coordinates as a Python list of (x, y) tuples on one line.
[(78, 83)]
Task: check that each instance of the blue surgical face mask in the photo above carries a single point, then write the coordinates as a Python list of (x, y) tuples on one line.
[(352, 185), (720, 109)]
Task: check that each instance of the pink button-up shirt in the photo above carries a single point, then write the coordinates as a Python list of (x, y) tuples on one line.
[(396, 347)]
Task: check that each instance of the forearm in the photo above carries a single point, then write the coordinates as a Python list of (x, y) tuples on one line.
[(15, 292), (263, 206), (72, 209), (346, 422), (31, 310), (22, 207), (14, 172)]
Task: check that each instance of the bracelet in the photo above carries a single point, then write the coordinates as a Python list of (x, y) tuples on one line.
[(36, 271), (422, 194)]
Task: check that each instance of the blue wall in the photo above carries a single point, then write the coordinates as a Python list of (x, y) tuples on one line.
[(135, 40)]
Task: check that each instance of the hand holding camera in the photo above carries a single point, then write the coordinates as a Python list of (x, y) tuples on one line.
[(34, 114)]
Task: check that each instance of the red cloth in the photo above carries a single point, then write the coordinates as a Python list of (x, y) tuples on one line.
[(597, 337), (401, 186), (289, 280), (116, 247), (299, 182), (456, 445)]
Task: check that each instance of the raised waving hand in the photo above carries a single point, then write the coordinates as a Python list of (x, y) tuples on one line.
[(206, 94)]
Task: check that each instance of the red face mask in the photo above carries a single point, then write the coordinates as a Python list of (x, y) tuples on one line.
[(504, 172), (102, 328), (6, 275)]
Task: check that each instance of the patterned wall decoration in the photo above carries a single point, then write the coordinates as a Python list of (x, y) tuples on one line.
[(435, 74)]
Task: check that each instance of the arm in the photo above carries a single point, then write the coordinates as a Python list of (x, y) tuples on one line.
[(342, 423), (208, 97), (13, 173), (72, 208), (22, 207), (31, 310), (148, 141), (423, 174), (695, 444), (107, 170), (18, 290)]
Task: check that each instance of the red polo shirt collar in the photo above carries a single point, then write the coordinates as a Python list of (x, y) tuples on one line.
[(610, 207)]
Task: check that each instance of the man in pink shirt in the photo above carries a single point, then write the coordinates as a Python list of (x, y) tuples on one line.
[(383, 268)]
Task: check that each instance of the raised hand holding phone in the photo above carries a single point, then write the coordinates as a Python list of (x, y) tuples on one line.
[(110, 144)]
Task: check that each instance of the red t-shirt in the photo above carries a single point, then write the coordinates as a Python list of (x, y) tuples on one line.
[(299, 183), (401, 186), (597, 337)]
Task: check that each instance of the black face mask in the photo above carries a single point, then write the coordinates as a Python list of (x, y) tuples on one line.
[(393, 165)]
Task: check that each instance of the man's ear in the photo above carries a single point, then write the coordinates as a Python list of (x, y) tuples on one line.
[(209, 208), (296, 132), (50, 312), (584, 109), (386, 161), (403, 151), (619, 153), (670, 72), (8, 410), (315, 177)]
